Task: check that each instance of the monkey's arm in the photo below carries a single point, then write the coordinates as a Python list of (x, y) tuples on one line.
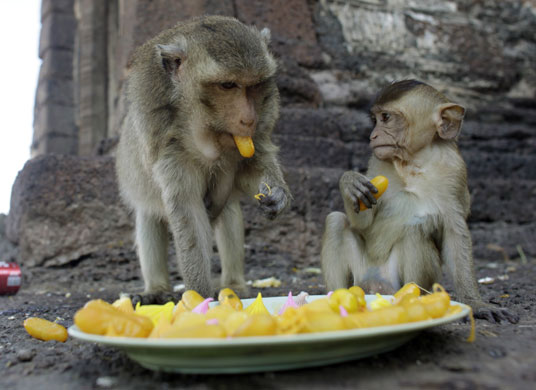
[(456, 251), (355, 187), (262, 175)]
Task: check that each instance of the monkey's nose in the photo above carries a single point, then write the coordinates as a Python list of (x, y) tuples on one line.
[(247, 122)]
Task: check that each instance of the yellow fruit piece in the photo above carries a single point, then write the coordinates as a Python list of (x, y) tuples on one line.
[(318, 305), (220, 313), (229, 297), (257, 325), (292, 321), (343, 297), (124, 304), (322, 321), (453, 309), (189, 319), (156, 312), (472, 335), (257, 307), (45, 330), (100, 317), (203, 330), (245, 145), (379, 302), (189, 300), (234, 321), (409, 289), (386, 316), (161, 327), (360, 295), (381, 183), (436, 304), (414, 309)]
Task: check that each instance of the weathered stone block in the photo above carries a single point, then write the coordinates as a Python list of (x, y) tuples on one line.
[(343, 124), (504, 199), (55, 144), (54, 119), (290, 22), (57, 32), (296, 87), (56, 64), (497, 164), (151, 17), (65, 207), (56, 6), (313, 152), (54, 91)]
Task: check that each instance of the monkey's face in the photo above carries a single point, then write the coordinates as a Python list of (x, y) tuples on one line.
[(233, 106), (236, 107), (410, 115), (222, 73), (387, 137)]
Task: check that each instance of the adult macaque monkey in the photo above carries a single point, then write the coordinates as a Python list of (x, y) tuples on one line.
[(419, 223), (191, 89)]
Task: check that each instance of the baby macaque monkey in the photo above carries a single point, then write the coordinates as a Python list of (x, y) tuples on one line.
[(419, 223), (194, 91)]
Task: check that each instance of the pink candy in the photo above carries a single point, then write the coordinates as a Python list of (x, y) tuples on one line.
[(203, 307)]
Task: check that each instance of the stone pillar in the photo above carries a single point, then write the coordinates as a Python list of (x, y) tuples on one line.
[(54, 125), (91, 66)]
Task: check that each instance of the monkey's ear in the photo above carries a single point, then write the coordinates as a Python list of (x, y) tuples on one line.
[(172, 56), (448, 119), (266, 35)]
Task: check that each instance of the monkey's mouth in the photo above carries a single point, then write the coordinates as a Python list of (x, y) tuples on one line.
[(382, 146), (383, 152)]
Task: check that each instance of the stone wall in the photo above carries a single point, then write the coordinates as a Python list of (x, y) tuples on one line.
[(333, 57)]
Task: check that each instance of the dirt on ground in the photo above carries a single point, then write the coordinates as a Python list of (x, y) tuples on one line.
[(502, 356)]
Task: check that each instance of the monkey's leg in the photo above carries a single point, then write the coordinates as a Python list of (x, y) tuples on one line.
[(382, 279), (192, 235), (152, 242), (342, 252), (229, 231)]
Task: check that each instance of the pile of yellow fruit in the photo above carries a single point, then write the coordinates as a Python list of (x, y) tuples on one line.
[(193, 317)]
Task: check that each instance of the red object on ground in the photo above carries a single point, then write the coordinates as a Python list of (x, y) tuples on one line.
[(10, 278)]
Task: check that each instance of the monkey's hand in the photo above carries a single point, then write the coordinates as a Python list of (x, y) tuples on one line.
[(272, 200), (492, 313), (356, 187)]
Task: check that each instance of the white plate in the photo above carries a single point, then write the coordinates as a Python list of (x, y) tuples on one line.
[(266, 353)]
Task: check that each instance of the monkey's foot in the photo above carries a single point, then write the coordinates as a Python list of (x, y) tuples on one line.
[(495, 314), (239, 287), (153, 298)]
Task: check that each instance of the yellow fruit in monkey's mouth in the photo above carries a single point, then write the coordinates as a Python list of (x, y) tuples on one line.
[(381, 183), (245, 145)]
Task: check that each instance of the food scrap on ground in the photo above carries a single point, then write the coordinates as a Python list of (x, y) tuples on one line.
[(45, 330), (267, 282)]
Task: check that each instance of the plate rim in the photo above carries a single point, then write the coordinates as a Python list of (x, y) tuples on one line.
[(174, 343)]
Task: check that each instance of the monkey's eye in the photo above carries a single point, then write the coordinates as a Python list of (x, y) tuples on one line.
[(385, 116), (228, 85)]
